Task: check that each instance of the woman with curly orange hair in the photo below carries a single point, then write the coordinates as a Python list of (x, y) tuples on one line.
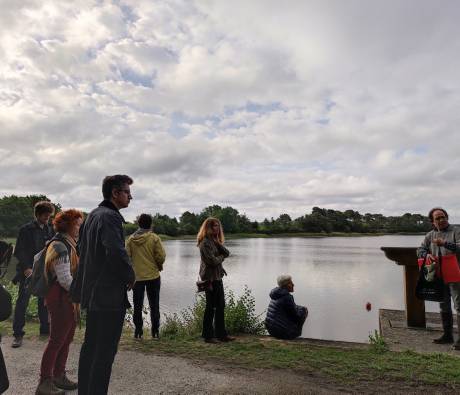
[(61, 263), (210, 241)]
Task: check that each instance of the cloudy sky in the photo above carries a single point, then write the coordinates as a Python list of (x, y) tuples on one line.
[(271, 107)]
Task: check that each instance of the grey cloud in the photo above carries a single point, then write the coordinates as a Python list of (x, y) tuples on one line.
[(90, 89)]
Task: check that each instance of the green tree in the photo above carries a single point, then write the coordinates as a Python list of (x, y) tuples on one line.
[(15, 211)]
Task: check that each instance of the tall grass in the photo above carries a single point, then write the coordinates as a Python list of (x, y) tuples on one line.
[(240, 316)]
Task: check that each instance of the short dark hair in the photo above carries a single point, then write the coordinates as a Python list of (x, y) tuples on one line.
[(43, 207), (114, 182), (430, 214), (144, 221)]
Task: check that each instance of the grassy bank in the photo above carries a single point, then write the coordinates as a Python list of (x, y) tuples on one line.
[(356, 368)]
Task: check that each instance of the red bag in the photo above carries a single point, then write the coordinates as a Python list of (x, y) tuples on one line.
[(450, 268)]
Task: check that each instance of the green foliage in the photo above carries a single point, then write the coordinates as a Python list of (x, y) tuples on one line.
[(32, 308), (17, 210), (378, 343), (240, 317), (240, 314), (129, 228)]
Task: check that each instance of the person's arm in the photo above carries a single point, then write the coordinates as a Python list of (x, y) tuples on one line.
[(207, 254), (223, 250), (62, 266), (424, 248), (291, 309), (159, 254), (454, 245), (114, 244), (22, 250), (128, 247)]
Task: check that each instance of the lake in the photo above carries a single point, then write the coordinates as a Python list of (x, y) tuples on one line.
[(334, 277)]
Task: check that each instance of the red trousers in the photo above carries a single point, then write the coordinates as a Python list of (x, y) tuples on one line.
[(62, 329)]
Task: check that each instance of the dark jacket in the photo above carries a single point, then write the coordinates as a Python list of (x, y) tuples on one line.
[(284, 318), (212, 255), (31, 240), (104, 270)]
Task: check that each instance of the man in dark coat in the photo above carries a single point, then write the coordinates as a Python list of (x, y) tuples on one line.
[(104, 276), (31, 240), (284, 318)]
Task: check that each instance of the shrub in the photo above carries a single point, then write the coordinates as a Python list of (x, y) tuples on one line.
[(378, 343), (240, 316), (32, 308)]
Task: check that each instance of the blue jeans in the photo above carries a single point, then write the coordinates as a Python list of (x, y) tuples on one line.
[(19, 319)]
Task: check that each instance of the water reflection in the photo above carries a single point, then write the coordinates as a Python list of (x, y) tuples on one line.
[(335, 277)]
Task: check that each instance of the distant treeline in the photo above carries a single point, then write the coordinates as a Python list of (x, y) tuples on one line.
[(17, 210)]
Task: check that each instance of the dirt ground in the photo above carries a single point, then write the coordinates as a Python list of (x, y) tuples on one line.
[(140, 373)]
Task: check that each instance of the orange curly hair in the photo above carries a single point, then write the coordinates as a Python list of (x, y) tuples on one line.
[(64, 220)]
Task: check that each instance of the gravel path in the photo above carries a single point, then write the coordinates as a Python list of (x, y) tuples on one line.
[(139, 373)]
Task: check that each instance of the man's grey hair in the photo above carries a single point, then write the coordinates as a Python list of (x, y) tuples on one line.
[(283, 280)]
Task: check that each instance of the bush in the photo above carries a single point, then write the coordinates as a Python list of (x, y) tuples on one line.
[(240, 317), (378, 343), (32, 308)]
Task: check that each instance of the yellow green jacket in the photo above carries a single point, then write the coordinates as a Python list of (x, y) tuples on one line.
[(147, 254)]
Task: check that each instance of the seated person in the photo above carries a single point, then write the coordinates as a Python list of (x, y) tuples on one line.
[(284, 318)]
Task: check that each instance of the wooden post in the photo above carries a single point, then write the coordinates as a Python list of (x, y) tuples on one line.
[(415, 308)]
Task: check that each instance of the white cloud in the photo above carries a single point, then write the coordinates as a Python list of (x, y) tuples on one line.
[(266, 107)]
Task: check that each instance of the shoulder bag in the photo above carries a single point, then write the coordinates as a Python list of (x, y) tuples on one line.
[(429, 290)]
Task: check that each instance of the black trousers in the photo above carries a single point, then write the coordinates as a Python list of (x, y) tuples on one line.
[(214, 312), (4, 382), (102, 335), (153, 295), (19, 319)]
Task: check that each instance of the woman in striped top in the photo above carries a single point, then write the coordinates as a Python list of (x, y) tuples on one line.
[(60, 265)]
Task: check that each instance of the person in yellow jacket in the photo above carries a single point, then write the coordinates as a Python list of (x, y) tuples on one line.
[(148, 255)]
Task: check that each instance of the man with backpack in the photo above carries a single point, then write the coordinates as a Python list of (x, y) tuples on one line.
[(31, 240), (104, 276)]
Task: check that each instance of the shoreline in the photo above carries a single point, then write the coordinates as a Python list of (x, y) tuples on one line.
[(306, 235), (321, 365), (234, 236)]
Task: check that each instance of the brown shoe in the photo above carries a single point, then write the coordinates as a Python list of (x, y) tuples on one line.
[(227, 339), (47, 387), (211, 340), (64, 383)]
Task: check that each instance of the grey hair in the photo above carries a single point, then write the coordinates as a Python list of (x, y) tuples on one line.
[(283, 280)]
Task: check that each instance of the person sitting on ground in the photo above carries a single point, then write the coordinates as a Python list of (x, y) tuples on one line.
[(61, 263), (284, 318), (148, 255)]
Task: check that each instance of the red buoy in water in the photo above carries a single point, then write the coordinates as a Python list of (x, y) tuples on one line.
[(368, 306)]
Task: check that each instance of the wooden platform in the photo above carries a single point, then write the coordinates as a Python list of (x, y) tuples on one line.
[(400, 337)]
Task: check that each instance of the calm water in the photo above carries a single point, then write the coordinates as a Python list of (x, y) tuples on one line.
[(334, 277)]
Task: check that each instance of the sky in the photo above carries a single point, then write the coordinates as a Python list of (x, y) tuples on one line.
[(269, 107)]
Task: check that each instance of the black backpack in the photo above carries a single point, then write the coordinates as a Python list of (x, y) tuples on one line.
[(39, 282)]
